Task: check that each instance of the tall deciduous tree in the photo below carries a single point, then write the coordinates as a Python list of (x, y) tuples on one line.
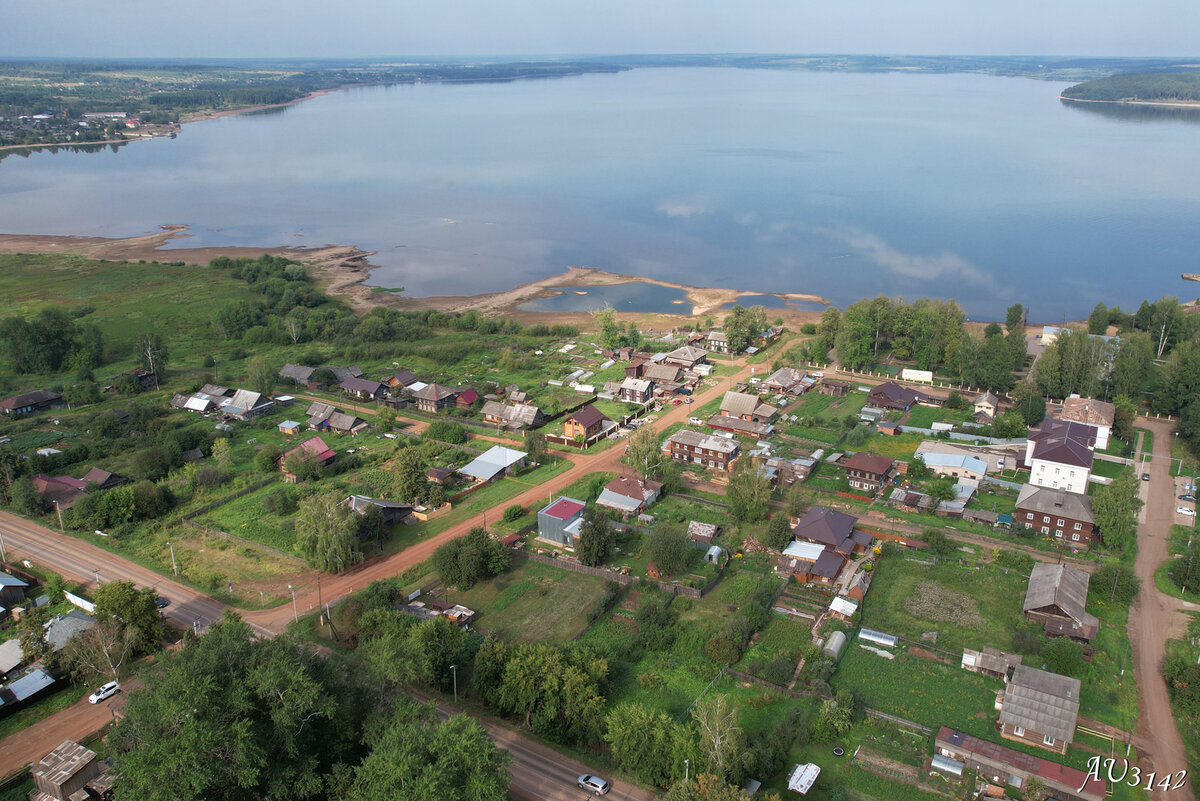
[(233, 717), (722, 741), (99, 653), (670, 549), (411, 484), (416, 757), (153, 354), (644, 453), (261, 375), (779, 532), (749, 492), (647, 743), (1116, 507), (1098, 319), (136, 609), (596, 540), (327, 533)]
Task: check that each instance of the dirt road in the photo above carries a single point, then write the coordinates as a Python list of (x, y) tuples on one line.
[(1154, 619), (76, 722)]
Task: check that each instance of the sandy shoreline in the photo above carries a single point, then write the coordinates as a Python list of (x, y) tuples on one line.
[(344, 270), (1163, 103)]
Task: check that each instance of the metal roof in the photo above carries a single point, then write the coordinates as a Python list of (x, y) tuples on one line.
[(1059, 585), (1042, 702)]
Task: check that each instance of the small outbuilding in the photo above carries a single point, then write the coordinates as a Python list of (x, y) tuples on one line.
[(834, 645)]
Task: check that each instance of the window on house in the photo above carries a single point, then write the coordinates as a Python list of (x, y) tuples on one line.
[(1058, 533), (1019, 731), (1060, 522), (1045, 529), (1029, 515), (1048, 740), (1075, 537), (1079, 526)]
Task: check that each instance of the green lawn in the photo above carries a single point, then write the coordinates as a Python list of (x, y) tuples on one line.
[(1107, 469), (533, 602), (967, 607), (926, 416)]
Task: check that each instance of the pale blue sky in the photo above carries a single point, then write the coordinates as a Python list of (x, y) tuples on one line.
[(350, 28)]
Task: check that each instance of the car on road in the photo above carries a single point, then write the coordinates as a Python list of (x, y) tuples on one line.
[(687, 400), (103, 692), (1145, 476), (676, 401), (1183, 510), (818, 375), (162, 602), (696, 421), (593, 784), (1191, 498)]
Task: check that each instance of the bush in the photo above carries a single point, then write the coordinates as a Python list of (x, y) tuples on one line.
[(514, 513), (808, 329), (446, 431), (1015, 560), (1114, 584)]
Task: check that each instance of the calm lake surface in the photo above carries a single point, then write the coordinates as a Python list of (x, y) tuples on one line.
[(988, 190)]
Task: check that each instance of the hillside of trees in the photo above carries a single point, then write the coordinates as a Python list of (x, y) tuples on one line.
[(1153, 87)]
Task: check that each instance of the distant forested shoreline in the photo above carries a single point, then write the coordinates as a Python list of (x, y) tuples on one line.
[(1139, 87)]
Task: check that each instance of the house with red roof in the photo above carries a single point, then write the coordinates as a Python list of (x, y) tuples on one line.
[(314, 450), (1004, 767), (559, 522)]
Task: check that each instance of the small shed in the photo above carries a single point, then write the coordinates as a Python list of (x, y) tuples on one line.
[(834, 645), (842, 609), (801, 778), (290, 427), (702, 532), (715, 554), (878, 638)]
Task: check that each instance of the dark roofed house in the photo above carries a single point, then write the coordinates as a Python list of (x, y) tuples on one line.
[(513, 417), (12, 590), (432, 398), (785, 380), (585, 423), (890, 395), (830, 386), (391, 511), (1067, 516), (39, 400), (363, 388), (1057, 597), (216, 391), (1059, 455), (60, 490), (193, 455), (747, 407), (439, 475), (102, 479), (400, 380), (1040, 708), (629, 495), (833, 529), (687, 357), (867, 471), (343, 423)]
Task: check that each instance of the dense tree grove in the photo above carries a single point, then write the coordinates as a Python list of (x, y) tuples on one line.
[(471, 557), (742, 326), (50, 341)]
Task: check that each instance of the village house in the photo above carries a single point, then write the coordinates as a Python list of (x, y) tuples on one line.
[(1004, 767), (514, 417), (61, 491), (748, 407), (717, 342), (559, 521), (39, 400), (313, 450), (146, 378), (867, 471), (391, 512), (216, 391), (585, 423), (1089, 411), (12, 591), (496, 462), (399, 380), (785, 381), (432, 398), (986, 406), (302, 374), (966, 469), (97, 478), (318, 415), (990, 662), (246, 404), (290, 427), (465, 398), (705, 450), (687, 357), (810, 563), (832, 529), (363, 389), (1059, 455), (629, 495), (637, 390), (1067, 516), (892, 396), (1039, 708), (439, 475), (1057, 598), (831, 386)]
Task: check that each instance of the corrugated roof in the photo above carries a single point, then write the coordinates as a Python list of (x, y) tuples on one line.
[(695, 439), (1059, 585), (564, 508), (1057, 502), (1042, 702)]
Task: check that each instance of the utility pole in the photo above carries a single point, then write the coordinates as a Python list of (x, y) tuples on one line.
[(295, 611), (320, 603), (454, 671), (58, 509), (174, 566)]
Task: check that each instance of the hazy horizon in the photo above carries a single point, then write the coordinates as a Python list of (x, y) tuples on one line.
[(538, 28)]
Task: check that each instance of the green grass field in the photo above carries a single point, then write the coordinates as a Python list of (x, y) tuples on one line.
[(533, 602), (969, 608)]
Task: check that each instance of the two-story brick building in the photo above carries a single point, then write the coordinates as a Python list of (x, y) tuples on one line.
[(867, 471), (706, 450)]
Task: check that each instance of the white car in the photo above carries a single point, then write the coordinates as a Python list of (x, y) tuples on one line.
[(105, 691), (1183, 510), (696, 421), (593, 784)]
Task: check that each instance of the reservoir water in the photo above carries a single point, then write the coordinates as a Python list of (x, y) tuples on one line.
[(989, 190)]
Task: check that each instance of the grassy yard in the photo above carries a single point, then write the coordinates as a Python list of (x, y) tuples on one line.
[(533, 602), (967, 607), (1108, 469), (898, 446), (814, 404), (926, 416)]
